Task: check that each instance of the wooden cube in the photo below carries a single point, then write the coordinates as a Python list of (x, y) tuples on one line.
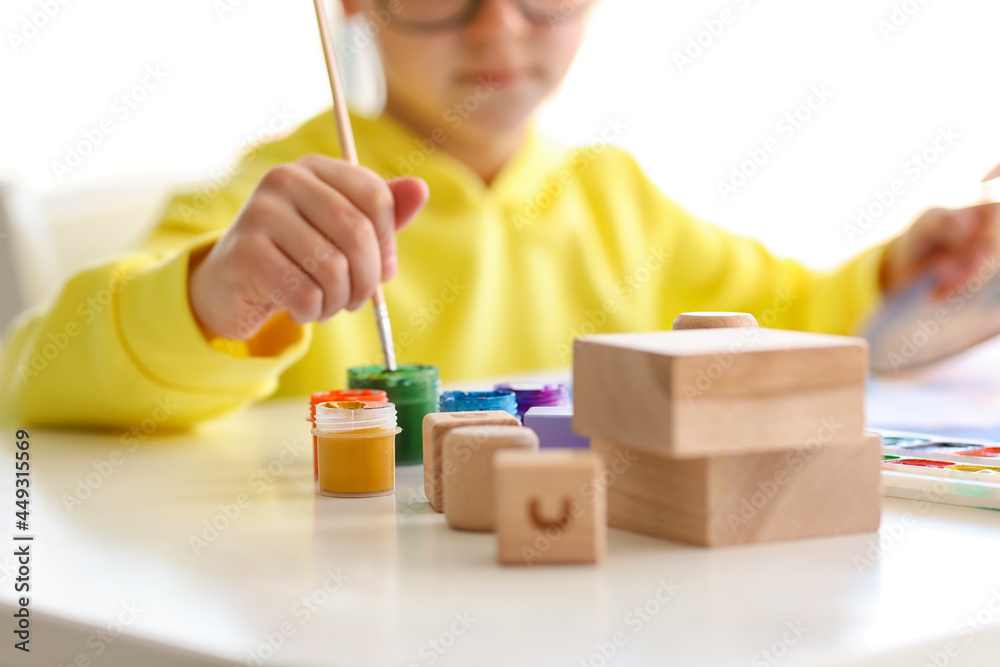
[(435, 426), (706, 392), (467, 470), (812, 491), (550, 507)]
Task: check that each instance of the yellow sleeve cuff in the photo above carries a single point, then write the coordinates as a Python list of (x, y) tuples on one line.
[(160, 331)]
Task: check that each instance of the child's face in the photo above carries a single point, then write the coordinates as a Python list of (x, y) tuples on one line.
[(489, 74)]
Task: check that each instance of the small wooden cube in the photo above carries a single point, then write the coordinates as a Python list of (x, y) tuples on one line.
[(707, 392), (467, 471), (435, 426), (550, 507), (812, 491)]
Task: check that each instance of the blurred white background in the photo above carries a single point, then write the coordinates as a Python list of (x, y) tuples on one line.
[(229, 64)]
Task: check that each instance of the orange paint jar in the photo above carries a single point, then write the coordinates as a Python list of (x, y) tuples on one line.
[(356, 448), (363, 395)]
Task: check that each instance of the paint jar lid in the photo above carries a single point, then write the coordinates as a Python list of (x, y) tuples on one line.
[(345, 416), (467, 401), (407, 382), (366, 395), (542, 395)]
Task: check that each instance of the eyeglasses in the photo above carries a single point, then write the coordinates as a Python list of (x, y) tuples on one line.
[(437, 15)]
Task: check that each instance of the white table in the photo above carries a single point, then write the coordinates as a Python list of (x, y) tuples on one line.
[(407, 580)]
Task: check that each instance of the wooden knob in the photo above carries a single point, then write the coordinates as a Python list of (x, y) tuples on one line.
[(714, 321)]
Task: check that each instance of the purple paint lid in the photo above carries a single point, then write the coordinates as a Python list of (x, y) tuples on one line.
[(536, 395)]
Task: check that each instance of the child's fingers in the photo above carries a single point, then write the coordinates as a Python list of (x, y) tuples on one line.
[(363, 187), (314, 254), (303, 297), (409, 194), (334, 216)]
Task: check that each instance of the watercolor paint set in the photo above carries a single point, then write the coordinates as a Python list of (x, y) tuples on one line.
[(940, 470)]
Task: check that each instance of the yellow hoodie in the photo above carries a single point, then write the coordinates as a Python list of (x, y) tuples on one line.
[(493, 280)]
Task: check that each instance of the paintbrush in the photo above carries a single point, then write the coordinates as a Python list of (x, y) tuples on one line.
[(350, 154)]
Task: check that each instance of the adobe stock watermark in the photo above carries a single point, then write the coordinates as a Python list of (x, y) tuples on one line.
[(99, 641), (787, 127), (566, 11), (624, 289), (229, 514), (795, 461), (912, 170), (48, 349), (967, 630), (301, 613), (589, 491), (552, 187), (372, 25), (925, 330), (31, 25), (423, 317), (280, 120), (899, 15), (708, 34), (891, 534), (778, 649), (455, 116), (122, 107), (412, 506), (433, 649), (722, 362), (292, 280), (635, 621), (223, 8), (87, 485)]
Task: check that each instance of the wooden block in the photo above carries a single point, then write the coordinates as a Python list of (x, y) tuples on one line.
[(550, 507), (554, 426), (708, 392), (435, 426), (714, 320), (809, 492), (467, 470)]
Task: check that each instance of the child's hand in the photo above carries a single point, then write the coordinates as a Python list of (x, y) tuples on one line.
[(316, 236), (951, 244)]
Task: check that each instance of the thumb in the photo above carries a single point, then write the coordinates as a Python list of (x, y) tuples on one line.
[(411, 194)]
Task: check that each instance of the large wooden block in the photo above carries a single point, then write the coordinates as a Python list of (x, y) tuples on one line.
[(812, 491), (435, 426), (707, 392), (467, 471), (550, 507)]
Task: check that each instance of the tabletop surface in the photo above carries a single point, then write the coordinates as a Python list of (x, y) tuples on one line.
[(213, 546)]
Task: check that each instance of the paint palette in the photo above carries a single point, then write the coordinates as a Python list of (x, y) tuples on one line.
[(911, 445), (928, 469)]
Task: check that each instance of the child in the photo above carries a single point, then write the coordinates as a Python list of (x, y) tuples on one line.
[(516, 247)]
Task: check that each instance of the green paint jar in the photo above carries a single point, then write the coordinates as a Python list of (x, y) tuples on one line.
[(413, 389)]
